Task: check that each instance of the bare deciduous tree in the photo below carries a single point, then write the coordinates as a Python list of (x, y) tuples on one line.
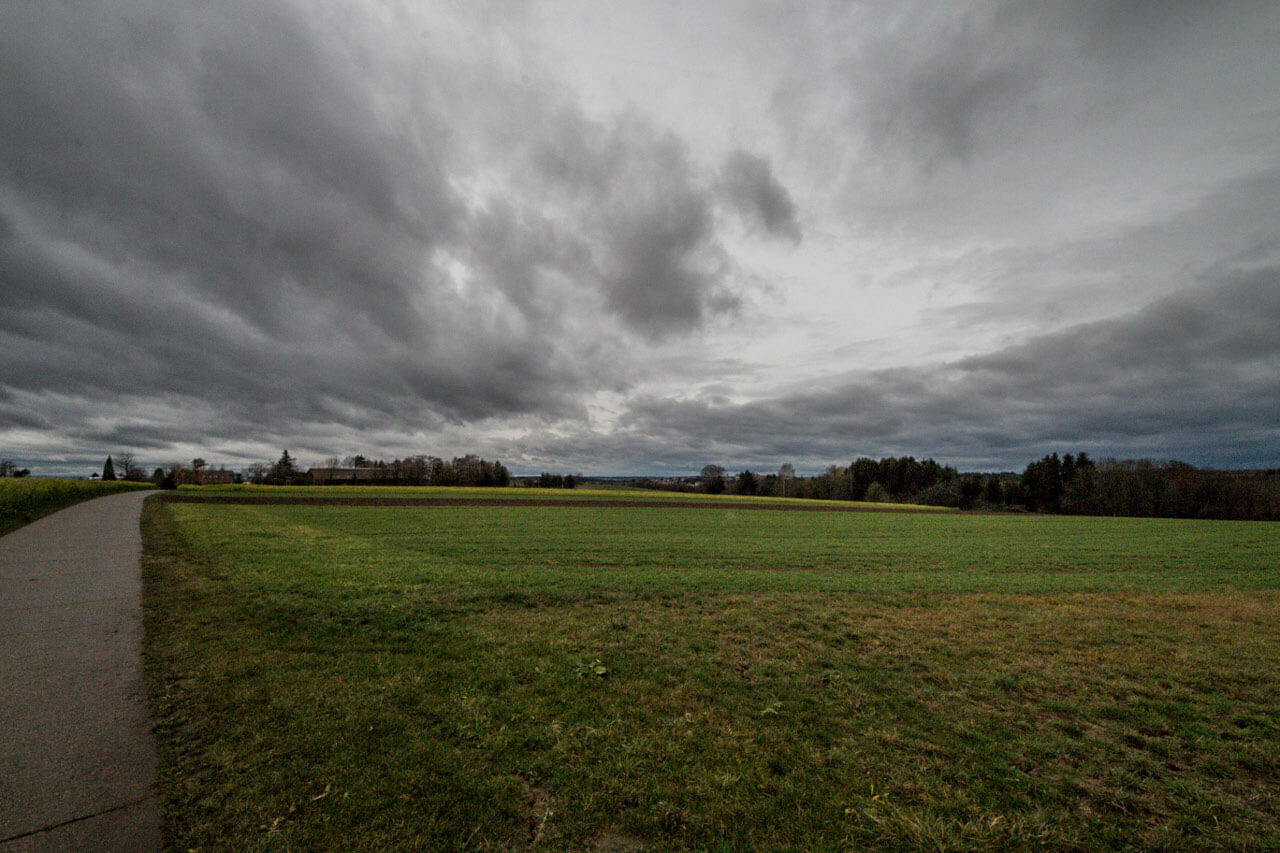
[(786, 473)]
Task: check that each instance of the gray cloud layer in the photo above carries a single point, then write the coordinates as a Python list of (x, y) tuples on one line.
[(751, 187), (248, 206), (1194, 371), (241, 226)]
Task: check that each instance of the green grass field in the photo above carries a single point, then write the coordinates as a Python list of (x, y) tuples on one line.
[(567, 678), (588, 492), (24, 499)]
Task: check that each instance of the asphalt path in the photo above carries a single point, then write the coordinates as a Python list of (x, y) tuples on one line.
[(77, 758)]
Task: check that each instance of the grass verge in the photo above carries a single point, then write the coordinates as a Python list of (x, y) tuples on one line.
[(24, 499), (564, 679)]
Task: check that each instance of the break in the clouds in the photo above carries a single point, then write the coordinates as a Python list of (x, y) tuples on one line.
[(639, 238)]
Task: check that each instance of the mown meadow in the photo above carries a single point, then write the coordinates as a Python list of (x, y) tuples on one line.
[(593, 492), (668, 678), (24, 499)]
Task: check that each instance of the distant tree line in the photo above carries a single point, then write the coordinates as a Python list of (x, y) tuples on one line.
[(9, 468), (422, 470), (126, 469), (1077, 486), (1071, 484), (901, 479), (197, 473), (555, 481)]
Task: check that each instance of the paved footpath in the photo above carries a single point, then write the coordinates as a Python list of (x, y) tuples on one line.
[(77, 759)]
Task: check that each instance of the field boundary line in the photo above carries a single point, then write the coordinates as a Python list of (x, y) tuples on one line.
[(374, 501)]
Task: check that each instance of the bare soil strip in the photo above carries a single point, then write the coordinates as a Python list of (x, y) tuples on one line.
[(336, 500)]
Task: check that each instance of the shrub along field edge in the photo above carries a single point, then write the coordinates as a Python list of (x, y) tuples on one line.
[(25, 499)]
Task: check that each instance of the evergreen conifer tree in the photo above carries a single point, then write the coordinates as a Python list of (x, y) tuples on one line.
[(109, 470)]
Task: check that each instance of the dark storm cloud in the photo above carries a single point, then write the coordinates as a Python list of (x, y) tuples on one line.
[(123, 137), (949, 102), (751, 187), (926, 84), (17, 416), (1195, 376), (222, 153), (660, 278), (263, 210), (645, 216), (1229, 227), (1116, 29), (239, 225), (922, 89)]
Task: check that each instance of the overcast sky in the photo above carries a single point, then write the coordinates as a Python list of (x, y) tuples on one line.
[(639, 237)]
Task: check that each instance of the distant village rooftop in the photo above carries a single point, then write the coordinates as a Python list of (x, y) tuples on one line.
[(338, 476)]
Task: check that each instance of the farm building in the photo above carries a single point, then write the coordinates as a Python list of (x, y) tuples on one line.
[(343, 476), (210, 477)]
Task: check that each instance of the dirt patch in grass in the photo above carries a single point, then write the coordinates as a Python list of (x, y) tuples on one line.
[(613, 841), (539, 805)]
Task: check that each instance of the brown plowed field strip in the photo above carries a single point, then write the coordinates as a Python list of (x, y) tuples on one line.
[(313, 500)]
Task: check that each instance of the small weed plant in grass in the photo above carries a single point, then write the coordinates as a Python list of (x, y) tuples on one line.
[(24, 499), (579, 678)]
